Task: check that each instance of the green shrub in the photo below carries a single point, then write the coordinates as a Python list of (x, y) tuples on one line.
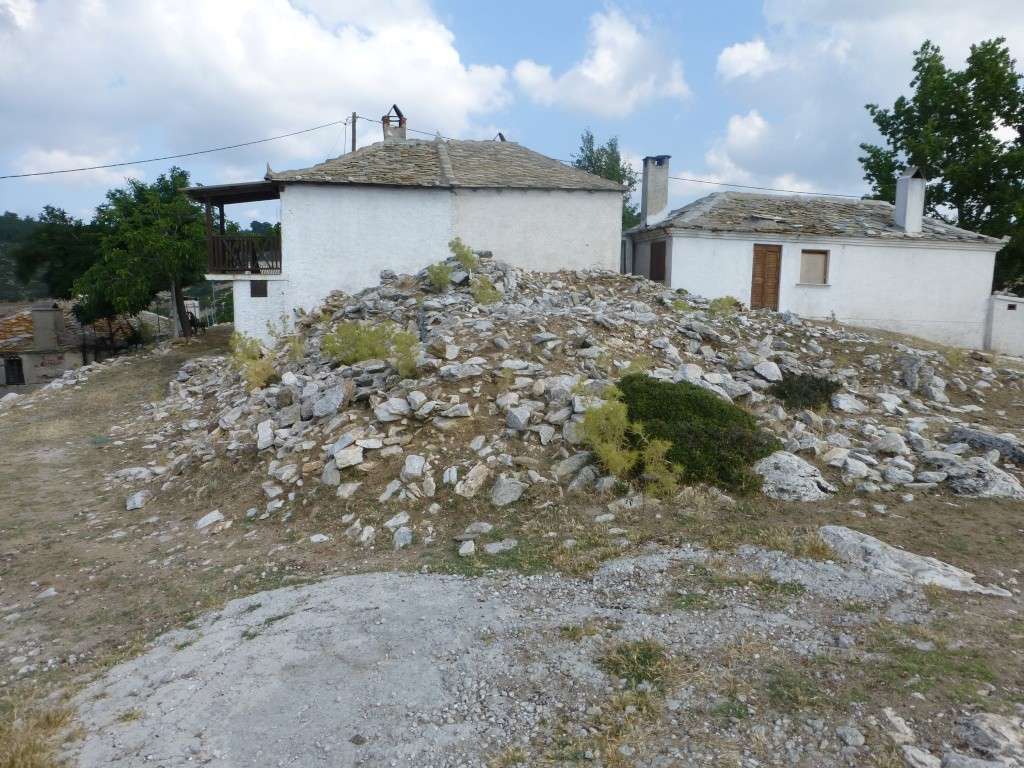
[(712, 440), (440, 276), (804, 390), (607, 429), (351, 342), (682, 305), (406, 349), (725, 306), (463, 254), (483, 290)]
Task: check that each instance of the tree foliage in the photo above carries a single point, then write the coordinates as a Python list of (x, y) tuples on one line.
[(965, 130), (153, 240), (57, 250), (606, 161)]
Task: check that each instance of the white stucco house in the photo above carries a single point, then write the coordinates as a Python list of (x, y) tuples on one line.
[(861, 262), (395, 205)]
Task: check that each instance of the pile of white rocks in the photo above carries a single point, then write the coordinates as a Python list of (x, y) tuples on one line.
[(494, 410)]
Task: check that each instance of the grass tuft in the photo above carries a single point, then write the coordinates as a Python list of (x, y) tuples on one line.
[(638, 661), (247, 358), (28, 735), (724, 306)]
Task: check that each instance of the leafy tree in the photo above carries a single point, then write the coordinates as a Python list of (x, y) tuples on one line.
[(154, 240), (606, 161), (57, 250), (14, 228), (261, 227), (965, 130)]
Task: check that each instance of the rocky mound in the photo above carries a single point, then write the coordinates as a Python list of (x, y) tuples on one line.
[(493, 406)]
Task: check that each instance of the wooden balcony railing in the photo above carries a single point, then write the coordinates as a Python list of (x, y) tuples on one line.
[(244, 255)]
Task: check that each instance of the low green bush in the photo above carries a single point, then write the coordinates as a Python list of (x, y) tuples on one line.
[(463, 254), (712, 441), (440, 276), (483, 290), (406, 349), (352, 342), (724, 306), (804, 390)]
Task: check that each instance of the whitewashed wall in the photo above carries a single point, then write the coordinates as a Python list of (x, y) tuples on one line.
[(253, 315), (340, 237), (542, 230), (937, 293), (1007, 329)]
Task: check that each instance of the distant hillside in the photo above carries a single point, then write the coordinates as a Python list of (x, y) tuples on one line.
[(12, 229), (10, 288)]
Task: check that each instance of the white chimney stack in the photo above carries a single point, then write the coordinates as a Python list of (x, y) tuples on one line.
[(910, 200), (654, 190), (394, 124)]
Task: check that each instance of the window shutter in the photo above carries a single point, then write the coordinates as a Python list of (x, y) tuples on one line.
[(814, 267)]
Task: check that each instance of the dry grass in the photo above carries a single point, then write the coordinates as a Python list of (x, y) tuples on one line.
[(29, 734)]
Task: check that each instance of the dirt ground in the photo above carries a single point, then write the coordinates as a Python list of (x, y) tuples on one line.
[(84, 584)]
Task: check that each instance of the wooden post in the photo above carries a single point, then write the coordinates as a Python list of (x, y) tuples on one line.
[(209, 237), (354, 117), (220, 207)]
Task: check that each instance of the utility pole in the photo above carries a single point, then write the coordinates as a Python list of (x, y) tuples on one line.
[(354, 116)]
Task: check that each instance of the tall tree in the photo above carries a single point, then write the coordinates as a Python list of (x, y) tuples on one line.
[(154, 240), (606, 161), (965, 130), (57, 250)]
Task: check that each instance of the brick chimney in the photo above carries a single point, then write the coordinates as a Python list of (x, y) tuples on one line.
[(909, 209), (654, 189), (394, 124)]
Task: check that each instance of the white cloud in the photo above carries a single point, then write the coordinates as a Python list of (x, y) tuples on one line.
[(40, 160), (745, 131), (622, 70), (91, 79), (751, 59), (816, 63), (16, 13)]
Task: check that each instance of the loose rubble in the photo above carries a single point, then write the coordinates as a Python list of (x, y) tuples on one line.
[(496, 406)]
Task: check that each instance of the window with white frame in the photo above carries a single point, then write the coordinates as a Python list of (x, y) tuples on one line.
[(814, 267)]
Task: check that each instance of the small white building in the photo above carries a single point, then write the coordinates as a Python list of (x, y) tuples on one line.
[(861, 262), (396, 205)]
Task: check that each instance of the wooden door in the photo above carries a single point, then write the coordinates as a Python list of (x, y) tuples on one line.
[(764, 284), (657, 271), (13, 371)]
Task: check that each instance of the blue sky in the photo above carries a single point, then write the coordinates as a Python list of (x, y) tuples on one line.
[(765, 93)]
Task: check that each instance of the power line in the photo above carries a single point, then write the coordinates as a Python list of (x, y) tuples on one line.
[(763, 189), (175, 157), (345, 123)]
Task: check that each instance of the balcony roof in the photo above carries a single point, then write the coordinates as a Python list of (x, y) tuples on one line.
[(227, 194)]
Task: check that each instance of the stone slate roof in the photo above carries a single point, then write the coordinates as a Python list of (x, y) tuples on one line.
[(447, 163), (764, 214)]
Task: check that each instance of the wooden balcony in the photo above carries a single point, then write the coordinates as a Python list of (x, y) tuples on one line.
[(244, 255)]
